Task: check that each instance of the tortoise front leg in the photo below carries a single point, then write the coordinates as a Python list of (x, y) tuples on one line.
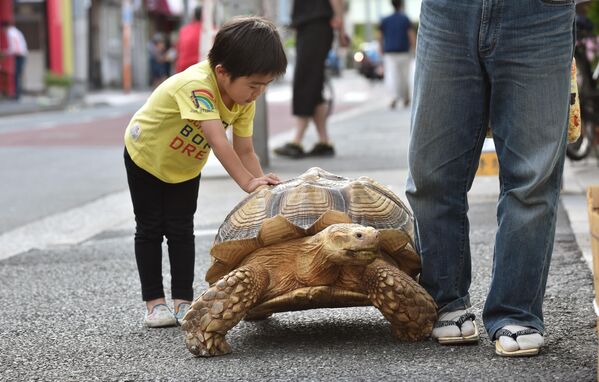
[(410, 309), (220, 308)]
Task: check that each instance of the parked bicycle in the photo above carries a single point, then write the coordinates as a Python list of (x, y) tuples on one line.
[(369, 62)]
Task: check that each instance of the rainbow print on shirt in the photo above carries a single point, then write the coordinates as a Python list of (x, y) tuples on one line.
[(203, 100)]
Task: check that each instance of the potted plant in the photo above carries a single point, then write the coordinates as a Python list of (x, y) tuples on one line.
[(58, 87)]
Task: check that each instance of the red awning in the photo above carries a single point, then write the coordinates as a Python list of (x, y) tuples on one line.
[(165, 7)]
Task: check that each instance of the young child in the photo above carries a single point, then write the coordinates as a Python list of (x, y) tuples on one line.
[(167, 143)]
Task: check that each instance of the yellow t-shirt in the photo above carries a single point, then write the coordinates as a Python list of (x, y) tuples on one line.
[(165, 135)]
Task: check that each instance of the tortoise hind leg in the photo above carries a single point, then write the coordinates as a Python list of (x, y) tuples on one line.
[(410, 309), (220, 308)]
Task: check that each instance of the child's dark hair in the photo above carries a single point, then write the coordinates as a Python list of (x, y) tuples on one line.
[(245, 46)]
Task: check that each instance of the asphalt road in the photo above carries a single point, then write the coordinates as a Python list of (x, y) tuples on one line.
[(73, 314)]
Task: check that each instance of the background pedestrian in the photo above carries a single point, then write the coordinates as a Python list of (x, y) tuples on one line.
[(398, 40), (188, 42), (17, 48), (159, 64), (315, 22)]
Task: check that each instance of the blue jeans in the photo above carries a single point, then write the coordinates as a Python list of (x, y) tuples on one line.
[(504, 64), (19, 66)]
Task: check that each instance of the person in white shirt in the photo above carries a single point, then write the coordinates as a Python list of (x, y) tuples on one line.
[(17, 47)]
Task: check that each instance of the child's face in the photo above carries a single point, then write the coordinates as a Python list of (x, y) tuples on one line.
[(246, 89)]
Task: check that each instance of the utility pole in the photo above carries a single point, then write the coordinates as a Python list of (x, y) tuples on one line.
[(368, 26), (127, 19), (208, 27), (80, 42), (263, 8)]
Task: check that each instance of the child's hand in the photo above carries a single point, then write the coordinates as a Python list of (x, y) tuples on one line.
[(273, 178), (268, 179)]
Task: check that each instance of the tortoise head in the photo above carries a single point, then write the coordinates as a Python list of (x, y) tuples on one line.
[(350, 244)]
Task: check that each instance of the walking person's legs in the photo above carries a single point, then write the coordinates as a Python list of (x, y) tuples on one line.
[(529, 111), (313, 42), (321, 114), (19, 66), (403, 83), (397, 77), (391, 77)]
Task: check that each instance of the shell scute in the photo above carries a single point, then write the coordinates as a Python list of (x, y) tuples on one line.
[(304, 206)]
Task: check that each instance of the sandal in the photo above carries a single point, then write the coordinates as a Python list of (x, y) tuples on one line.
[(322, 149), (500, 350), (455, 340), (291, 150)]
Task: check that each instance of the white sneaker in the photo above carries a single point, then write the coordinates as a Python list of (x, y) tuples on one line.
[(160, 317), (181, 311)]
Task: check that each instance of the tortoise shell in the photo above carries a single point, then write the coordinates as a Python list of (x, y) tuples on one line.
[(304, 206)]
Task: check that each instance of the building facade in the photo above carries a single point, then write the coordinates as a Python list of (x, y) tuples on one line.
[(104, 44)]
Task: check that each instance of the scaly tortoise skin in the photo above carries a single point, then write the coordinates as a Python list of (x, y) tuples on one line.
[(316, 241)]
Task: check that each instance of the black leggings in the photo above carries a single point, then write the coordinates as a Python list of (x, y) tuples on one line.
[(163, 209)]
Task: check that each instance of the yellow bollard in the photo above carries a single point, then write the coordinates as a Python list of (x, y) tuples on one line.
[(488, 164)]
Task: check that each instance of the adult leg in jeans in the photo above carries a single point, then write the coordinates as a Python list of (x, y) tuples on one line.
[(529, 66), (523, 51), (449, 119)]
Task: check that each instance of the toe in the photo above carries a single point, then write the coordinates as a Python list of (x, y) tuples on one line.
[(446, 331), (532, 341), (468, 328), (508, 344)]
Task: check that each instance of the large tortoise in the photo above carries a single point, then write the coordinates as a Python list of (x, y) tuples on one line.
[(316, 241)]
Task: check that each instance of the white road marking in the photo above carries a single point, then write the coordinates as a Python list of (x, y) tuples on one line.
[(70, 227)]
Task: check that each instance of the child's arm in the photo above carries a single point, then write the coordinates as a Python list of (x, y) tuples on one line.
[(244, 147), (215, 134)]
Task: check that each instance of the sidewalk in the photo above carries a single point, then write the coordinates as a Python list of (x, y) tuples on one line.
[(37, 104), (26, 105), (77, 307), (578, 176)]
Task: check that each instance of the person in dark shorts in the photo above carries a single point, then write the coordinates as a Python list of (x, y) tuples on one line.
[(314, 22)]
